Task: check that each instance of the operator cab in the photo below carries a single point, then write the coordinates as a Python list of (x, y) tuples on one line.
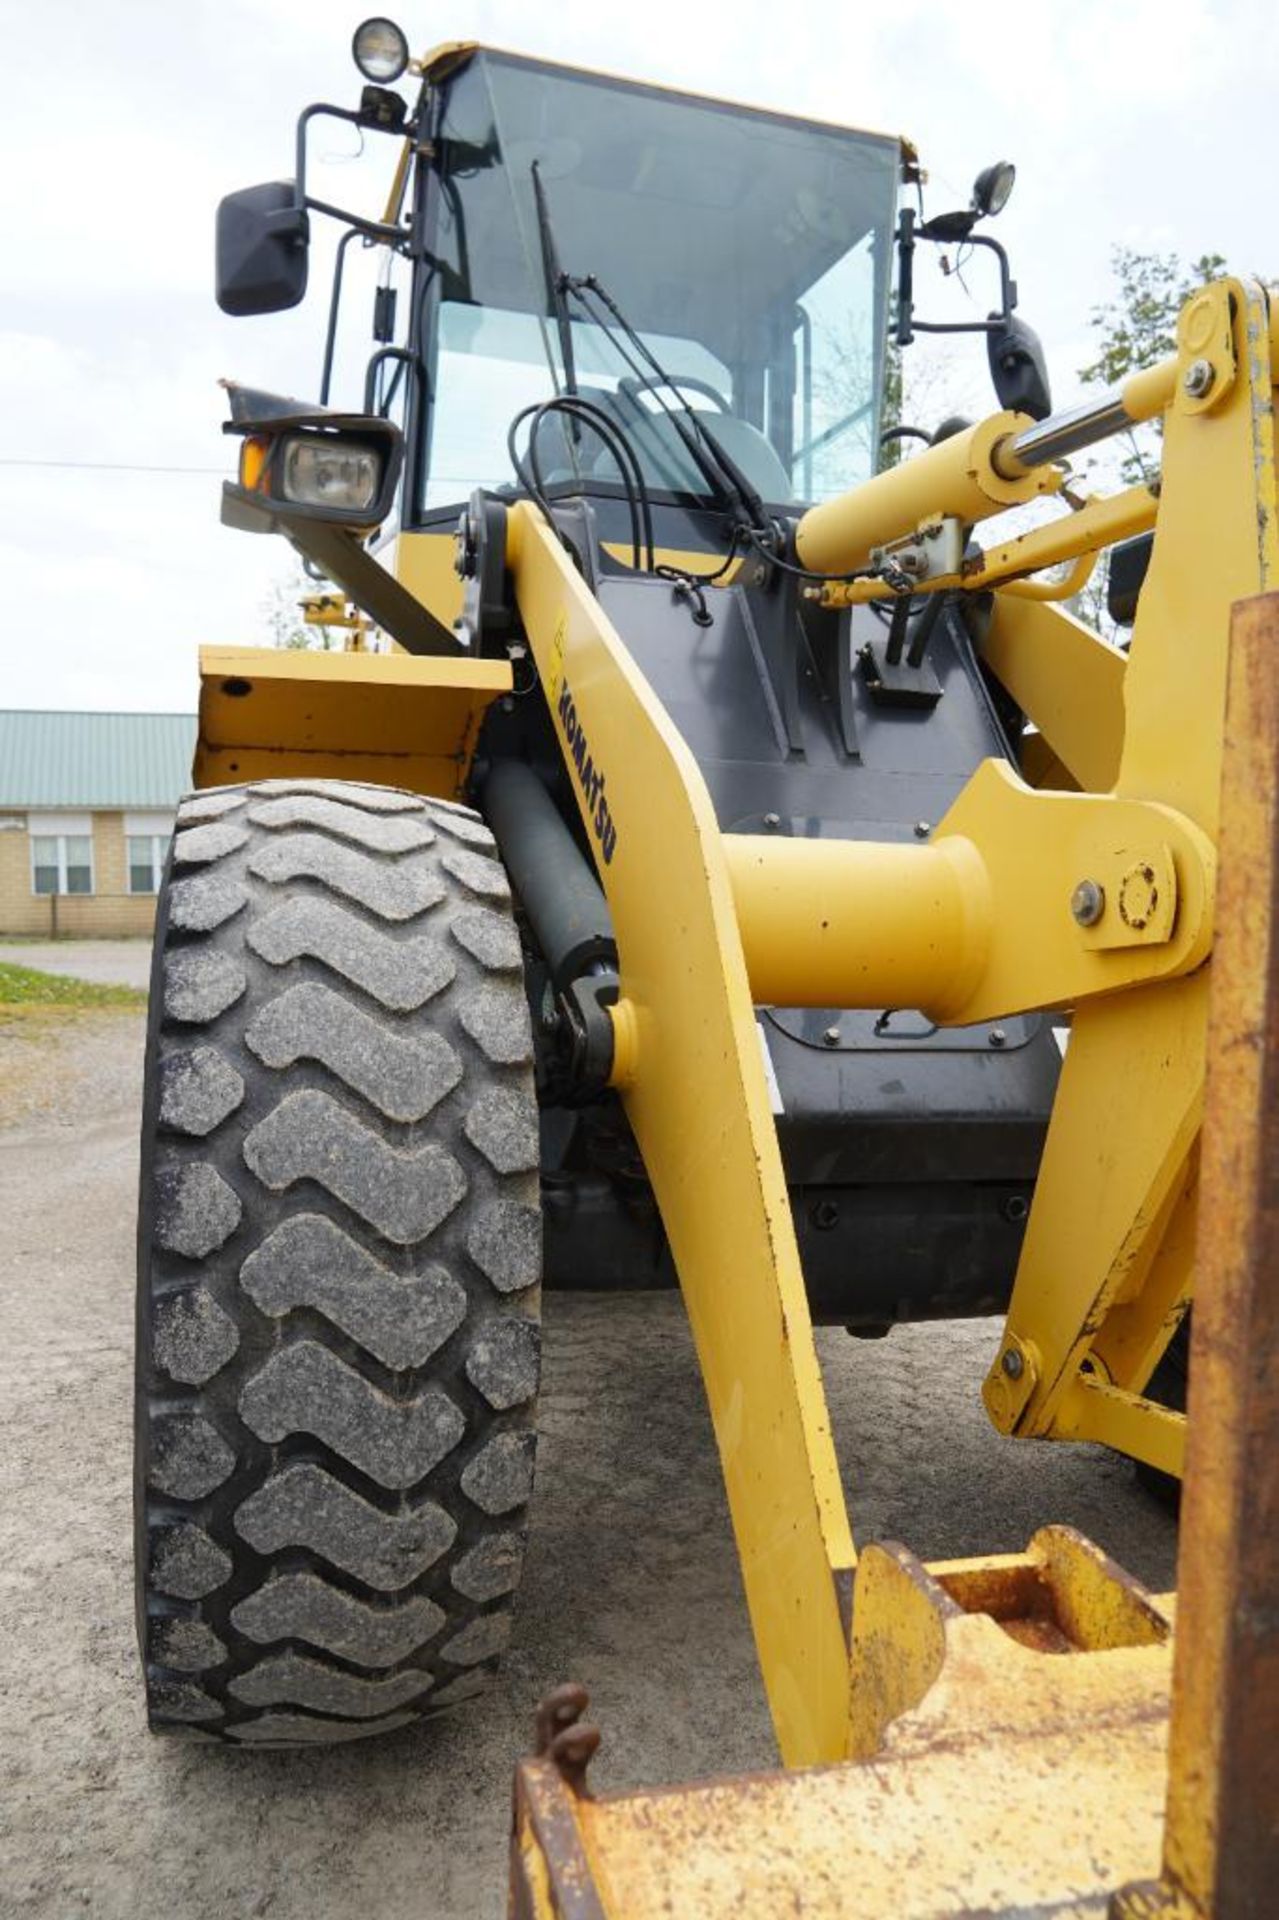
[(709, 282), (649, 253)]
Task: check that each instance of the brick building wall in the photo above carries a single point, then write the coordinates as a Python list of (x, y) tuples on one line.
[(109, 912)]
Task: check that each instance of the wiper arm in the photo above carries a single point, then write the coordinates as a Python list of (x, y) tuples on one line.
[(556, 288), (721, 473)]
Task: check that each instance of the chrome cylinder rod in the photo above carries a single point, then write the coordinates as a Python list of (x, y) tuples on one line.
[(1140, 397), (1062, 434)]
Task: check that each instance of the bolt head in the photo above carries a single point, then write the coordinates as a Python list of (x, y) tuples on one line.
[(1087, 903), (997, 1037), (464, 553), (1013, 1364), (772, 821), (922, 829), (1198, 378), (831, 1037)]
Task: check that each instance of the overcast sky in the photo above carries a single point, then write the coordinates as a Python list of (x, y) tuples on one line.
[(1147, 122)]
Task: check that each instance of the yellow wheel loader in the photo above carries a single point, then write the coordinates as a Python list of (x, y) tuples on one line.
[(696, 889)]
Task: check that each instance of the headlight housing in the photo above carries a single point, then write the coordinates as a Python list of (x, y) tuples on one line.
[(323, 470), (308, 464), (992, 188), (380, 50)]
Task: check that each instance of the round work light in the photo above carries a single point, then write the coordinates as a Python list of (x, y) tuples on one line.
[(380, 49)]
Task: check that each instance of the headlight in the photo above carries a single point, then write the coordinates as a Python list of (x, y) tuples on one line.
[(316, 472), (309, 464), (381, 50)]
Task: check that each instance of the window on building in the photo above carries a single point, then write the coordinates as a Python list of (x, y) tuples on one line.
[(146, 848), (62, 863), (147, 855)]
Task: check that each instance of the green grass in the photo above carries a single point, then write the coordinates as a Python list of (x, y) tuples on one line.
[(25, 987)]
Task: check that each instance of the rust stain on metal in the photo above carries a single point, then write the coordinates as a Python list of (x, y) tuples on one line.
[(1223, 1809), (561, 1737)]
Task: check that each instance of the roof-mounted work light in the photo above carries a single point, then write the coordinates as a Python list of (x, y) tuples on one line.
[(380, 50)]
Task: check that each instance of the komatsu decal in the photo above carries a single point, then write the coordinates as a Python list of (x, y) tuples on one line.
[(590, 779)]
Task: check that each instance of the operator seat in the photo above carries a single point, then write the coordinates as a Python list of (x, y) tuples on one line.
[(663, 458)]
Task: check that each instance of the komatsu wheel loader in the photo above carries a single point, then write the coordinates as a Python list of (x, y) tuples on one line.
[(695, 891)]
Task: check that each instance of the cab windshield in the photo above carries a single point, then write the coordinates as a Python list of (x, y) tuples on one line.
[(749, 253)]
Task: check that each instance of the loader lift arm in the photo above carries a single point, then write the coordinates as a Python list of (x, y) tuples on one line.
[(1027, 1734), (983, 916)]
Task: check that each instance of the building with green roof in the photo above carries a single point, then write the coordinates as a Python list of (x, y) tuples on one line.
[(86, 810)]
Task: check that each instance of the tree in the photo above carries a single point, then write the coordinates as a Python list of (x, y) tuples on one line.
[(890, 451), (282, 611), (1138, 324), (1137, 327)]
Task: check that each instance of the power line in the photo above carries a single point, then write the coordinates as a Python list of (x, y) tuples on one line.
[(133, 466), (116, 467)]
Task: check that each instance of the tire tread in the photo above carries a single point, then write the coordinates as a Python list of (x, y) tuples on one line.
[(336, 1390)]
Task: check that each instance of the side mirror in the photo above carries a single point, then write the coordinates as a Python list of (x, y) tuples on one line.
[(262, 237), (1018, 368), (1128, 564)]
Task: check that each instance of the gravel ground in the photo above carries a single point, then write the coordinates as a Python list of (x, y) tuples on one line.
[(631, 1582), (59, 1066), (111, 963)]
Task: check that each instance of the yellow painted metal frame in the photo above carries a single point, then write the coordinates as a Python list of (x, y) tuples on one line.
[(982, 916), (964, 928), (423, 562), (392, 718), (1032, 1733), (1140, 1061), (1067, 681), (698, 1102), (996, 1703)]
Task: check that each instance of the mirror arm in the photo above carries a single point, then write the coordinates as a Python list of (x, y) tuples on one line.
[(1007, 285), (372, 229), (959, 326), (908, 325), (319, 110)]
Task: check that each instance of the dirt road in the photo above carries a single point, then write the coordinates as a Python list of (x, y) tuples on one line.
[(631, 1582), (112, 963)]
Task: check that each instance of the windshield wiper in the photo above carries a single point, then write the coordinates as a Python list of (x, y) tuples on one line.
[(721, 473), (556, 289)]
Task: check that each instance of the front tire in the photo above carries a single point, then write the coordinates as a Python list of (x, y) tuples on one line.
[(339, 1266)]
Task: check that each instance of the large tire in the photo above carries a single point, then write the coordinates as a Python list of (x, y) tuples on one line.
[(339, 1266)]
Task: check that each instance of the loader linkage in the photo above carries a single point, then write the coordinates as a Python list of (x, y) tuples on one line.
[(1026, 1733), (974, 923)]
